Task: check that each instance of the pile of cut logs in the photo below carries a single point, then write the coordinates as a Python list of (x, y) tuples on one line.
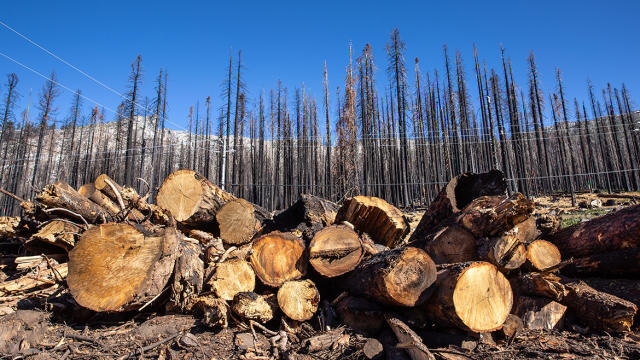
[(477, 260)]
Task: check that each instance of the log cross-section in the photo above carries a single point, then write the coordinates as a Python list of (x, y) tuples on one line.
[(278, 257)]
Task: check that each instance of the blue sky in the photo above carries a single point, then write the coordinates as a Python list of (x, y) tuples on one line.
[(291, 40)]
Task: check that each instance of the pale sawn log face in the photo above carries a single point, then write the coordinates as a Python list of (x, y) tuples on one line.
[(109, 265), (542, 255), (335, 250), (237, 222), (278, 257), (232, 277), (384, 223), (452, 244), (299, 299)]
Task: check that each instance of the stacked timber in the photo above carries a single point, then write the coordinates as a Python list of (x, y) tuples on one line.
[(477, 261)]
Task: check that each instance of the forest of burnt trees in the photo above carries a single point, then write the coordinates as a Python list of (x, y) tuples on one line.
[(399, 141)]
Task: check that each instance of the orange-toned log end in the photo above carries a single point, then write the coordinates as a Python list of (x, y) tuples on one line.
[(299, 299), (396, 277), (231, 277), (237, 222), (382, 221), (110, 264), (191, 198), (472, 296), (542, 255), (335, 250), (278, 257)]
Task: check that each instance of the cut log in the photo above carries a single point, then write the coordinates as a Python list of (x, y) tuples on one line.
[(118, 267), (472, 296), (188, 277), (614, 231), (620, 263), (539, 313), (202, 236), (451, 244), (278, 257), (335, 250), (507, 252), (308, 215), (9, 226), (62, 195), (110, 188), (213, 311), (89, 190), (299, 299), (398, 277), (492, 215), (30, 281), (526, 231), (239, 220), (231, 277), (542, 255), (409, 340), (361, 314), (372, 349), (511, 327), (597, 309), (251, 306), (384, 223), (456, 195), (60, 234), (324, 341), (548, 224), (191, 198)]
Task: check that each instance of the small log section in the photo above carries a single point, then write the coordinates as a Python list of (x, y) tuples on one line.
[(539, 313), (231, 277), (62, 195), (620, 263), (473, 295), (383, 222), (191, 198), (299, 299), (335, 250), (506, 252), (98, 197), (239, 220), (457, 194), (249, 305), (278, 257), (9, 226), (308, 215), (118, 267), (542, 255), (492, 215), (409, 340), (451, 244), (395, 277), (58, 233), (614, 231)]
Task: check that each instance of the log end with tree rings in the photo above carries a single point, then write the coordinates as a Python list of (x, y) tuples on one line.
[(335, 250), (299, 299), (542, 255), (278, 257), (237, 222)]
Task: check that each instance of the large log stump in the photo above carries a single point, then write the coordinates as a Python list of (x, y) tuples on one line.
[(62, 195), (457, 194), (298, 299), (597, 309), (383, 222), (473, 295), (397, 277), (191, 198), (619, 263), (610, 232), (119, 267), (335, 250), (278, 257), (239, 220), (492, 215)]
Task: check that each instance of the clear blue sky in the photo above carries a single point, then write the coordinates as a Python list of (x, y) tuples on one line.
[(290, 40)]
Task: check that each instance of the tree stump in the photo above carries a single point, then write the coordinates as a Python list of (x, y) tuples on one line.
[(383, 222), (335, 250), (473, 295), (191, 198), (119, 267), (232, 277), (299, 299), (278, 257), (397, 277)]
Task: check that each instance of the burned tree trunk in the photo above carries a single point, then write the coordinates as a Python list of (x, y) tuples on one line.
[(308, 215), (278, 257), (473, 295), (397, 277), (610, 232), (492, 215), (335, 250), (119, 267), (383, 222), (455, 196), (191, 198)]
